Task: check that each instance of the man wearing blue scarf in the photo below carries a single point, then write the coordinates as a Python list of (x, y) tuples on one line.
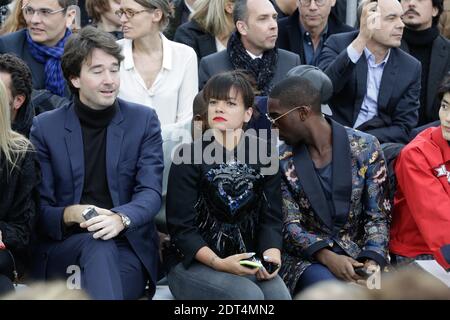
[(41, 44)]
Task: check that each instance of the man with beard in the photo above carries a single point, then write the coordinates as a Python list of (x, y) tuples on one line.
[(422, 40)]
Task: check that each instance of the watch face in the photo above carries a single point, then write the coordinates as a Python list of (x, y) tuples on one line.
[(126, 221)]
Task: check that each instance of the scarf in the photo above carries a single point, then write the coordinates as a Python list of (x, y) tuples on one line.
[(51, 57), (261, 69)]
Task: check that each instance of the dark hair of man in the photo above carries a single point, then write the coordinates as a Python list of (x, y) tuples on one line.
[(94, 7), (439, 4), (21, 79), (79, 48), (445, 86), (296, 91), (240, 11), (219, 87)]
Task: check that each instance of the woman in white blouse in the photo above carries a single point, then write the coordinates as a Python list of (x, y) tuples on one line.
[(157, 72)]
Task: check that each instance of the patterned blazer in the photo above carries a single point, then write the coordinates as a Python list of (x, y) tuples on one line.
[(359, 223)]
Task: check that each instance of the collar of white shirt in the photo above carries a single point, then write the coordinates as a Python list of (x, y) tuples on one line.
[(127, 49), (253, 56), (371, 58)]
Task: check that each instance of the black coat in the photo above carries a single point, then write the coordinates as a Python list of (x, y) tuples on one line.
[(180, 16), (19, 202), (205, 200), (192, 35), (290, 38), (439, 67)]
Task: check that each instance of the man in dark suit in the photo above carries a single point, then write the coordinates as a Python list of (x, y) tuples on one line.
[(308, 28), (422, 40), (334, 189), (252, 47), (376, 84), (41, 44), (98, 153)]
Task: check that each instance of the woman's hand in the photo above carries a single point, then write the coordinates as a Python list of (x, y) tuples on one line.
[(271, 255), (231, 264)]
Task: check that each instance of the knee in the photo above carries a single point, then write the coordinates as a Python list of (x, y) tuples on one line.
[(246, 292), (99, 249)]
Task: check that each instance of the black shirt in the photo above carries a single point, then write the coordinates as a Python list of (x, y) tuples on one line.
[(94, 125)]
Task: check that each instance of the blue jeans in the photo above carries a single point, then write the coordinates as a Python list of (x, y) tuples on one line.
[(315, 273), (200, 282)]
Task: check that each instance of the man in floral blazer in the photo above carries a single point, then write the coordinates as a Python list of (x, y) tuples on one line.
[(334, 188)]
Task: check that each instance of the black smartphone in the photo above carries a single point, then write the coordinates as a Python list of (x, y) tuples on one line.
[(89, 213), (362, 272), (271, 267)]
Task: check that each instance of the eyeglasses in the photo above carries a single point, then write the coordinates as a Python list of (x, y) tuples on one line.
[(129, 13), (307, 3), (272, 121), (29, 11)]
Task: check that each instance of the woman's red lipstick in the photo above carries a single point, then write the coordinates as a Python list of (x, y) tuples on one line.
[(219, 119)]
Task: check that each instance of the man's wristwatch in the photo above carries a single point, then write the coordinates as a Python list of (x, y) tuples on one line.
[(125, 220)]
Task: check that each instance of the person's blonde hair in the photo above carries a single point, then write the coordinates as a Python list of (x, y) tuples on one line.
[(15, 20), (12, 144), (211, 16)]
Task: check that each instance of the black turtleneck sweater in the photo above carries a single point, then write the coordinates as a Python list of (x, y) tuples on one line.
[(94, 125), (420, 44)]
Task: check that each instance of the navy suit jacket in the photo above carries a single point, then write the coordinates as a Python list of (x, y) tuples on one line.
[(399, 93), (134, 166), (16, 43)]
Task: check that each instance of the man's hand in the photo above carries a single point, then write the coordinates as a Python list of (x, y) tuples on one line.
[(72, 215), (341, 266), (105, 226), (370, 21), (372, 267)]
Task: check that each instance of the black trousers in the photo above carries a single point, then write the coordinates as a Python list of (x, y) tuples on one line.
[(6, 272)]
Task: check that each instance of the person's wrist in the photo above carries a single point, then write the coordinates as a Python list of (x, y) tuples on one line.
[(213, 260), (323, 256)]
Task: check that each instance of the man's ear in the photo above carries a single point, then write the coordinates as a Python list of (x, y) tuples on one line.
[(435, 12), (73, 12), (333, 3), (304, 112), (18, 101), (75, 82), (242, 27)]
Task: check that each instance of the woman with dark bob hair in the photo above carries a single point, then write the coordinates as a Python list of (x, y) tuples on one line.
[(224, 211)]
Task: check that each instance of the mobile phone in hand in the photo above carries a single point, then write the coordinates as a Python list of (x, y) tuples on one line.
[(362, 272), (252, 263), (271, 267), (89, 213)]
